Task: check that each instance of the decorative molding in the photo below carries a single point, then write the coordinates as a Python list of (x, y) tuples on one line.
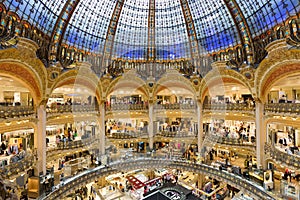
[(171, 77), (279, 63), (222, 74), (129, 79), (86, 78)]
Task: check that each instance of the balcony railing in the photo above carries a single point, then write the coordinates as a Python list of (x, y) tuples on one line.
[(70, 146), (7, 112), (17, 164), (71, 109), (177, 134), (125, 107), (152, 162), (278, 155), (229, 107), (287, 108), (128, 135), (175, 106), (234, 141), (213, 138)]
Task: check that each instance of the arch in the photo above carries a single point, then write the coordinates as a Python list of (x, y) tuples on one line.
[(22, 62), (24, 76), (279, 64), (74, 76), (223, 75), (129, 79), (288, 121), (173, 79)]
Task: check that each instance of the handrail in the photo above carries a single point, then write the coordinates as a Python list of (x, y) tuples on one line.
[(153, 162), (117, 107), (176, 134), (293, 108), (229, 141), (71, 108), (175, 106), (15, 167), (283, 157), (15, 111), (71, 145), (128, 135), (230, 107)]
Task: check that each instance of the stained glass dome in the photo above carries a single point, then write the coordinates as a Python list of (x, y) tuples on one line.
[(180, 28)]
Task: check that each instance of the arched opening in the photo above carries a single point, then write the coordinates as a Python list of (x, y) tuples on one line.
[(16, 127), (72, 111)]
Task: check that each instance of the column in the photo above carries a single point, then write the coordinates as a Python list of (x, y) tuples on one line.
[(102, 128), (200, 125), (260, 133), (150, 126), (40, 141)]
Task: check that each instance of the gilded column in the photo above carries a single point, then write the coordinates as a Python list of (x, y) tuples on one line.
[(200, 125), (102, 128), (150, 126), (40, 140), (260, 133)]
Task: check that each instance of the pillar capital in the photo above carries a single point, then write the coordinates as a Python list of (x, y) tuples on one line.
[(43, 102), (29, 45), (198, 101), (258, 100)]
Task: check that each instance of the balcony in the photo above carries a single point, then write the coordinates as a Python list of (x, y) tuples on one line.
[(175, 106), (64, 148), (71, 109), (283, 108), (240, 107), (128, 135), (281, 156), (18, 163), (7, 112), (212, 139), (126, 107), (177, 134)]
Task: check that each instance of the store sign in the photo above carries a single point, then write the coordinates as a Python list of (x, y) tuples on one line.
[(172, 194)]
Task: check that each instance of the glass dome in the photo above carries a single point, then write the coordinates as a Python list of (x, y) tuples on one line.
[(88, 26)]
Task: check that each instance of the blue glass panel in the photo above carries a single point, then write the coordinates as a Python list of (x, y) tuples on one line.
[(262, 15)]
